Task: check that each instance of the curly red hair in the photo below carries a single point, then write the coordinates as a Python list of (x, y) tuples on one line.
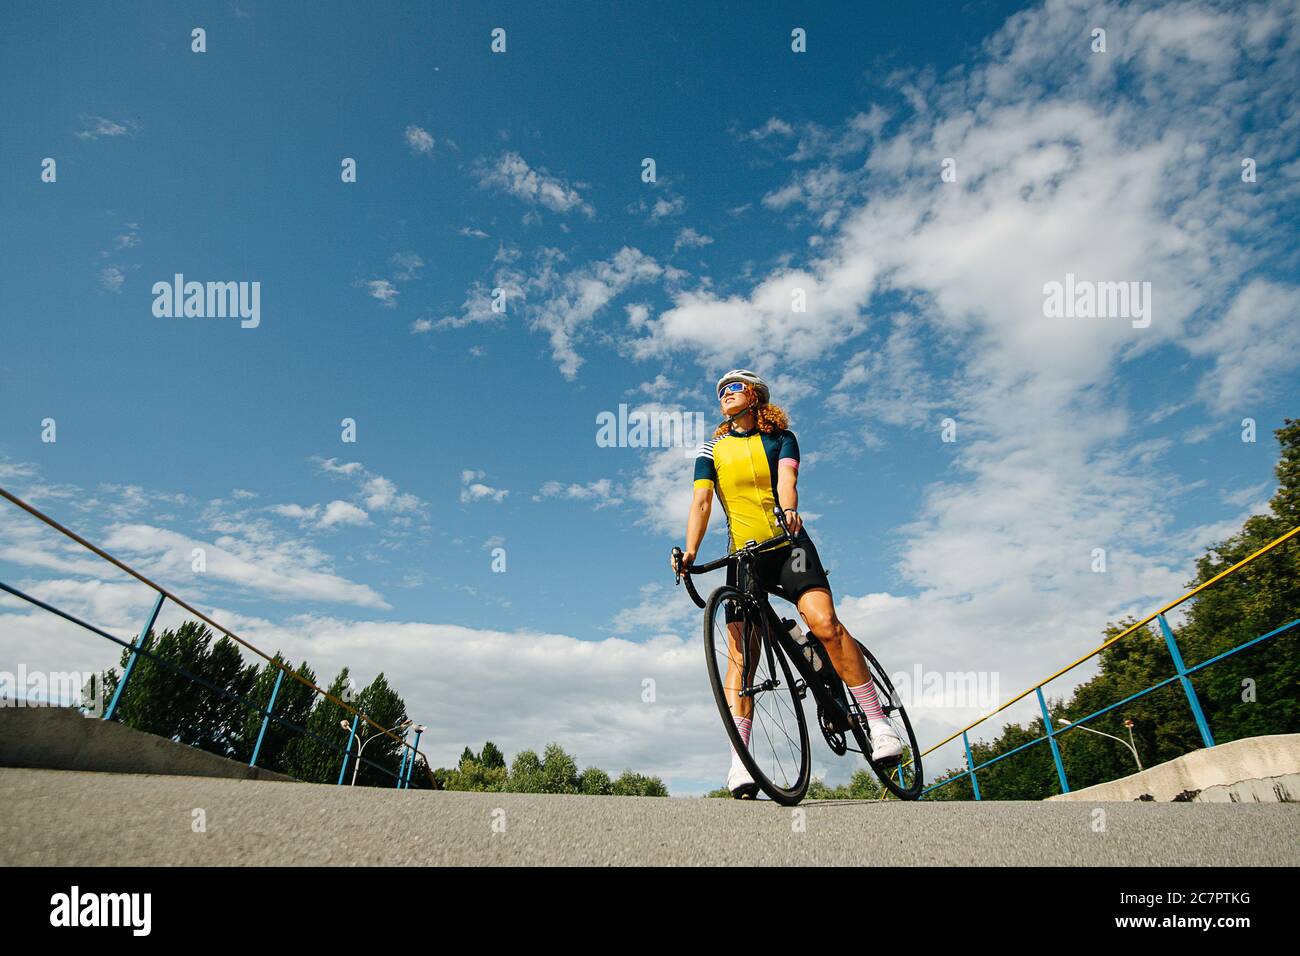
[(768, 418)]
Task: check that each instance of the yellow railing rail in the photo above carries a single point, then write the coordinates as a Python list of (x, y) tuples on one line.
[(1120, 636)]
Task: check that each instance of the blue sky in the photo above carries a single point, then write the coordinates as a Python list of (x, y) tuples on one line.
[(522, 170)]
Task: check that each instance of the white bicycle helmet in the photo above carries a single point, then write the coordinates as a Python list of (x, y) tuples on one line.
[(749, 378)]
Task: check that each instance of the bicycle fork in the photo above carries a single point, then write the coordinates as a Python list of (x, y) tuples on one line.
[(772, 682)]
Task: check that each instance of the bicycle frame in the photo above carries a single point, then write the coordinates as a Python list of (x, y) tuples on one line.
[(823, 693)]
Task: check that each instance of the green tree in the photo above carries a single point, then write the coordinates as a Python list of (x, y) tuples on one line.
[(160, 699), (491, 757), (1252, 693), (472, 775), (631, 784), (292, 708), (308, 759), (594, 782), (526, 773), (818, 790), (864, 786), (559, 772), (382, 704)]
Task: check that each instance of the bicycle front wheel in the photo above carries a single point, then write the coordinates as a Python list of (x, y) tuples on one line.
[(903, 777), (751, 678)]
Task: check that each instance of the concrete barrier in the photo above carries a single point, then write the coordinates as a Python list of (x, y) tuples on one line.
[(62, 738), (1251, 770)]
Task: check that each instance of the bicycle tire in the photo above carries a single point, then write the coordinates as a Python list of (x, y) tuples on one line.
[(915, 779), (793, 791)]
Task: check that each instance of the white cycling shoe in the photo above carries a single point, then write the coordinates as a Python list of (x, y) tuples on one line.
[(885, 745), (739, 782)]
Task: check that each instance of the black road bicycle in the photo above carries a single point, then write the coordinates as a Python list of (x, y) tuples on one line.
[(752, 659)]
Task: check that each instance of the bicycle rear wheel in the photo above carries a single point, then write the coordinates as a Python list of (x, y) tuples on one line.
[(902, 777), (778, 755)]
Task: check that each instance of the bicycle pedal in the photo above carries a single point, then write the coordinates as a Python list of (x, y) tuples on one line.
[(801, 688)]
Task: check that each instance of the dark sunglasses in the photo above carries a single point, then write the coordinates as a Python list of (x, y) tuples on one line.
[(731, 387)]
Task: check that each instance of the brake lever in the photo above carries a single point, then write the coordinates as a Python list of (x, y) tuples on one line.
[(780, 519)]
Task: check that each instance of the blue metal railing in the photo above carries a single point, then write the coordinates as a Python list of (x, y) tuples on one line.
[(1182, 674), (139, 647)]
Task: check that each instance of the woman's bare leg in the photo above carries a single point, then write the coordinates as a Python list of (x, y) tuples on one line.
[(732, 684), (818, 612)]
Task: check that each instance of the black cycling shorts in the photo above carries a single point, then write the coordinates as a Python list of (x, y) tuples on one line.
[(786, 571)]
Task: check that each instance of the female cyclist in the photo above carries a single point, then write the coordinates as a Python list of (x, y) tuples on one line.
[(752, 464)]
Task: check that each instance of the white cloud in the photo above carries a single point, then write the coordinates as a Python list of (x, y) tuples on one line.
[(472, 488), (638, 313), (890, 383), (603, 492), (130, 238), (662, 609), (1253, 496), (573, 299), (663, 491), (419, 140), (1198, 434), (665, 207), (263, 568), (384, 291), (717, 328), (659, 207), (94, 127), (27, 544), (296, 512), (10, 470), (477, 307), (331, 515), (660, 386), (332, 466), (1253, 345), (374, 491), (773, 127), (561, 304), (825, 190), (112, 278), (512, 174), (408, 266), (342, 513), (689, 238)]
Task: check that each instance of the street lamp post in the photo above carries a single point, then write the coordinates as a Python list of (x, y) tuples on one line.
[(1128, 723), (361, 745)]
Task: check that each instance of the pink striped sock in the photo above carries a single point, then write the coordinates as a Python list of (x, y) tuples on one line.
[(744, 725), (865, 695)]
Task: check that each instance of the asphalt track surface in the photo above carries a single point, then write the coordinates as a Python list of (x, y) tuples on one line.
[(53, 817)]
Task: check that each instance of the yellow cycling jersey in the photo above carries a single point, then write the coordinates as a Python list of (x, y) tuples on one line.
[(741, 468)]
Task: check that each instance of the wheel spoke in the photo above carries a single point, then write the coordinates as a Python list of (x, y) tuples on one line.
[(781, 726), (777, 743)]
